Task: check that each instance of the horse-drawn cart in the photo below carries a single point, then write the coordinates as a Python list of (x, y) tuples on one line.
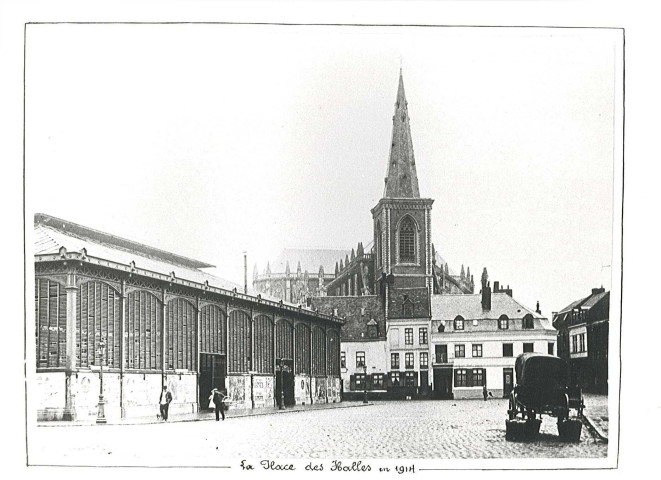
[(543, 387)]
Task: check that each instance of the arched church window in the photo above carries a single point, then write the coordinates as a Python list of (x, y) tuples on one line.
[(407, 241)]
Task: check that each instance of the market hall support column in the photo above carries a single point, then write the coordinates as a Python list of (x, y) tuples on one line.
[(70, 364)]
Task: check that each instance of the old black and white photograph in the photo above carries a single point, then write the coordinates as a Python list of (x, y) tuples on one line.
[(353, 247)]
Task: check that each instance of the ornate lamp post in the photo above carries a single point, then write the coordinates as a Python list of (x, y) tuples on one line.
[(101, 412), (282, 381), (364, 365)]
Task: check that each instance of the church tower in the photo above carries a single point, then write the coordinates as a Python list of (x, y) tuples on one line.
[(402, 227)]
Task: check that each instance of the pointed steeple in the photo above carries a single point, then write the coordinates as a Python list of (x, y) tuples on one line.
[(402, 179)]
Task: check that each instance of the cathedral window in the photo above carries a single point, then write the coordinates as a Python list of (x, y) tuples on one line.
[(407, 241)]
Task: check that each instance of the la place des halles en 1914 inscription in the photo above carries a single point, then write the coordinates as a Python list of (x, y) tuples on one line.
[(335, 466)]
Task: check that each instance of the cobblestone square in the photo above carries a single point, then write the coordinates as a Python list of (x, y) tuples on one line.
[(468, 429)]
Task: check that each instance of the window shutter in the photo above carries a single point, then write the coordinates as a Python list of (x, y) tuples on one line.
[(352, 382)]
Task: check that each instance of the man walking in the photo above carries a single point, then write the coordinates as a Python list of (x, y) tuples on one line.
[(218, 399), (164, 403)]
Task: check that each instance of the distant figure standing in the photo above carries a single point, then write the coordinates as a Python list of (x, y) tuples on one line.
[(485, 394), (217, 399), (164, 403)]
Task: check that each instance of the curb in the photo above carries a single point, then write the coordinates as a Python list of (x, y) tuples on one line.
[(590, 424), (199, 419)]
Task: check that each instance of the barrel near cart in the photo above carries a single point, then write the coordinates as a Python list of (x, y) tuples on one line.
[(543, 388)]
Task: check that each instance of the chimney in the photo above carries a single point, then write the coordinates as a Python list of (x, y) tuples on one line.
[(496, 284), (245, 272), (486, 291), (596, 291), (538, 310)]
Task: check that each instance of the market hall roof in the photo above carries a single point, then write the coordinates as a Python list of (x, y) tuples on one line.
[(55, 239)]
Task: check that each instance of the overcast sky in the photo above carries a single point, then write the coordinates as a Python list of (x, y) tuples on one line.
[(211, 140)]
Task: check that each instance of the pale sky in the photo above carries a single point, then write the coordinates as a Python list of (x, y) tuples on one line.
[(211, 140)]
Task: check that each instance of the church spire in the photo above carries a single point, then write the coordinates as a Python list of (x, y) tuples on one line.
[(402, 179)]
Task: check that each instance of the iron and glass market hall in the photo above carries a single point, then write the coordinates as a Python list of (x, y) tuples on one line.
[(139, 318)]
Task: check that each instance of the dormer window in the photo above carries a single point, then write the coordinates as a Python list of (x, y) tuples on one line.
[(407, 307), (459, 323), (503, 322), (372, 329), (528, 322)]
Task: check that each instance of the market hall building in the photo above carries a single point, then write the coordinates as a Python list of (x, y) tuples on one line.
[(154, 318)]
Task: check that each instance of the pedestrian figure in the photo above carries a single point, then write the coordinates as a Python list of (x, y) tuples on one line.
[(216, 401), (164, 403), (484, 392)]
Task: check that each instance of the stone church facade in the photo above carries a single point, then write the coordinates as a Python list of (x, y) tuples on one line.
[(382, 291)]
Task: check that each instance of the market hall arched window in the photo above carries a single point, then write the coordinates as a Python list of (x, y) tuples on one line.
[(407, 231)]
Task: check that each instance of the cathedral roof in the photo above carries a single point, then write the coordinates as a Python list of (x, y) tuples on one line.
[(401, 179), (310, 258)]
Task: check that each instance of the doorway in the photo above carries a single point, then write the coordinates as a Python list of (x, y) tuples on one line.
[(213, 370), (508, 381), (442, 383), (284, 379)]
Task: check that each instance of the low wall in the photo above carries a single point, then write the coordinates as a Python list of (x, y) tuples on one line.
[(128, 395)]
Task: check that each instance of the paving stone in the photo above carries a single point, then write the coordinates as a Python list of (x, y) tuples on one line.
[(424, 429)]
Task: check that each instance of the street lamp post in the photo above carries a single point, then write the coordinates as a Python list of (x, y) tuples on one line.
[(101, 412), (282, 381)]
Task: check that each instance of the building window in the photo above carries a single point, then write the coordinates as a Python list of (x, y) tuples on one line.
[(474, 377), (408, 336), (407, 241), (378, 381), (394, 360), (423, 336), (343, 360), (441, 352), (477, 349), (357, 381), (528, 347), (360, 359), (503, 322), (409, 360), (424, 360), (461, 378), (459, 323), (508, 349), (411, 379), (551, 350), (578, 343), (394, 379), (528, 322), (478, 377), (459, 351)]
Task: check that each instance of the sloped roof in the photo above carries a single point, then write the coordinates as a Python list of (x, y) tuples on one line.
[(311, 259), (49, 239), (469, 306), (75, 231), (359, 312), (594, 299)]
